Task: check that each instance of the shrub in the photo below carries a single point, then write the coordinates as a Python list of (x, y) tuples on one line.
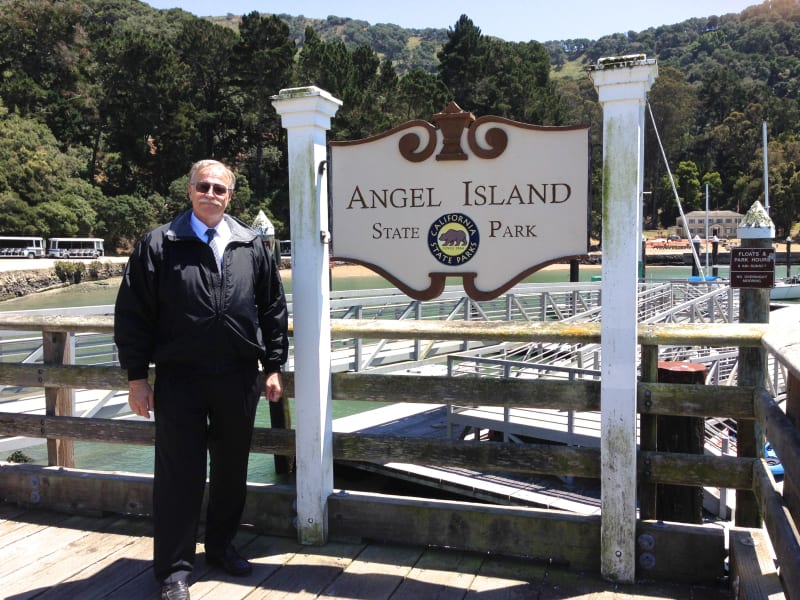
[(18, 456), (62, 269), (69, 271), (95, 268), (78, 268)]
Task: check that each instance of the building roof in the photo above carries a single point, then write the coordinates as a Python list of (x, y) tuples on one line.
[(714, 213)]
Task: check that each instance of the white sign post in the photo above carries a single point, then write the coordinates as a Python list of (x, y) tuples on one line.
[(622, 84), (306, 114)]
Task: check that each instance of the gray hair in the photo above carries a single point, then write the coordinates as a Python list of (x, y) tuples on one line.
[(204, 164)]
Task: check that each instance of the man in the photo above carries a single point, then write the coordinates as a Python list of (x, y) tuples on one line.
[(202, 299)]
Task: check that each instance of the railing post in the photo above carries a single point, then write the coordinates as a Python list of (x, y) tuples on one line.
[(306, 114), (682, 503), (648, 433), (58, 401), (622, 84), (359, 342), (791, 491), (467, 317), (417, 341), (756, 230)]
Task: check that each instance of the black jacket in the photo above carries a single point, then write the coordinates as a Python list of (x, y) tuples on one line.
[(174, 309)]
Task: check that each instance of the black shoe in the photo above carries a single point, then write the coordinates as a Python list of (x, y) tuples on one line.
[(231, 562), (175, 590)]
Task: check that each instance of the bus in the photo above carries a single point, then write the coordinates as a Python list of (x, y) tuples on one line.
[(21, 247), (75, 248)]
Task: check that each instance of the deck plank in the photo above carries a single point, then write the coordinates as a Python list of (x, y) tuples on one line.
[(308, 573), (508, 579), (9, 512), (102, 579), (266, 554), (37, 547), (440, 575), (25, 525), (375, 574), (69, 560)]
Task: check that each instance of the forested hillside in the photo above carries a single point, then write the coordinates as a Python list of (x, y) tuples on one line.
[(104, 104)]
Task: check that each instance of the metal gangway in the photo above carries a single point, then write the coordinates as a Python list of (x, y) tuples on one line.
[(674, 301)]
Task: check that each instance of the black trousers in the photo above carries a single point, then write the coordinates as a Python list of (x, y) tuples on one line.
[(196, 412)]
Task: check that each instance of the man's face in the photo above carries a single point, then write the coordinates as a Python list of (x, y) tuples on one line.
[(210, 205)]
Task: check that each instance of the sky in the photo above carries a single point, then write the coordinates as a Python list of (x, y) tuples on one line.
[(510, 20)]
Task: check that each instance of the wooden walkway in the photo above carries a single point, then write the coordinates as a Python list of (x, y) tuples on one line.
[(49, 556), (430, 421)]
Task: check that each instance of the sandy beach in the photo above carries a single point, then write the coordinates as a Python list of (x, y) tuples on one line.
[(351, 270)]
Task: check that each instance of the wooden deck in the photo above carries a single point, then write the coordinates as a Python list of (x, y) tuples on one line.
[(50, 555)]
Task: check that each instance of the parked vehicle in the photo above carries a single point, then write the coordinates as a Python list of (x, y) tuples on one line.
[(75, 248), (21, 247)]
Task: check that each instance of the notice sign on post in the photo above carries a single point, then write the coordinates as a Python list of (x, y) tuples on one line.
[(752, 267), (489, 200)]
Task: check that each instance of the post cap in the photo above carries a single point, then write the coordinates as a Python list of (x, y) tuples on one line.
[(756, 224)]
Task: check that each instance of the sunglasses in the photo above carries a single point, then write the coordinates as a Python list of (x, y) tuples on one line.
[(219, 189)]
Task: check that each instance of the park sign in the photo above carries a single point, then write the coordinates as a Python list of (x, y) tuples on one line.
[(489, 200), (752, 267)]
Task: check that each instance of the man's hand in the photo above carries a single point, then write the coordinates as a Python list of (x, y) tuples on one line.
[(140, 397), (273, 387)]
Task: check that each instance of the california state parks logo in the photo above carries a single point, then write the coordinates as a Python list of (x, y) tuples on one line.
[(453, 239)]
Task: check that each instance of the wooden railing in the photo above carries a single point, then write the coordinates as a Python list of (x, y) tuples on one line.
[(547, 534)]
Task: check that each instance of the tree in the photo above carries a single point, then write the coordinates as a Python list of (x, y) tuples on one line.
[(16, 216), (263, 66), (673, 103), (39, 60), (515, 82), (385, 95), (326, 65), (357, 118), (731, 147), (461, 62), (143, 80), (784, 183), (124, 219), (713, 181), (32, 166), (209, 109), (688, 183), (421, 95)]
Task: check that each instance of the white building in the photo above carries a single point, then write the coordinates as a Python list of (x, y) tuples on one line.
[(721, 223)]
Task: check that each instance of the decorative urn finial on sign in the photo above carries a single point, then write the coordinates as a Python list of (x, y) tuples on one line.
[(452, 122)]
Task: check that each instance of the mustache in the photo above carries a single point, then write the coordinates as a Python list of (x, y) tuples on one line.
[(213, 201)]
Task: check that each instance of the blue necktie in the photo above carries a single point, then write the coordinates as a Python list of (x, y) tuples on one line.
[(210, 234)]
